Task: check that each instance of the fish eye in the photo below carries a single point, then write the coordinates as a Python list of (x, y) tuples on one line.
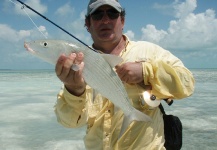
[(45, 44)]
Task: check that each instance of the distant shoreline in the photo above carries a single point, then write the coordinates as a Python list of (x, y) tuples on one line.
[(53, 69), (22, 69), (26, 70), (5, 69)]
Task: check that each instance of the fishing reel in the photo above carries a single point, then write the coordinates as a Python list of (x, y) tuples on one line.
[(151, 100)]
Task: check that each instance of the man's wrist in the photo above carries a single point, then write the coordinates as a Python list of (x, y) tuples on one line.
[(77, 91)]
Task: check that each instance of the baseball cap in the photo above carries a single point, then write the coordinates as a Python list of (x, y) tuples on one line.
[(94, 4)]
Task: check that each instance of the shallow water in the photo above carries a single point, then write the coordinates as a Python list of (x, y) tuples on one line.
[(28, 121)]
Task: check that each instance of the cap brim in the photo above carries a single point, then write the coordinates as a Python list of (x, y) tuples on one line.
[(94, 6)]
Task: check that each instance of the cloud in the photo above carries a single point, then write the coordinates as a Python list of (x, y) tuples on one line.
[(185, 8), (35, 4), (11, 40), (65, 10), (76, 27), (72, 23), (164, 9), (150, 33), (130, 34), (41, 31), (11, 35), (189, 31)]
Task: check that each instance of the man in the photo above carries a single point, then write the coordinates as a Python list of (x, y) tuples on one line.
[(145, 65)]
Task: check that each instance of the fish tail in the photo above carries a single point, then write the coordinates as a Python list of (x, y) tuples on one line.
[(135, 115), (139, 116)]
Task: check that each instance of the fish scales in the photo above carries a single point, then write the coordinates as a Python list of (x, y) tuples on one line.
[(104, 72), (98, 73), (114, 88)]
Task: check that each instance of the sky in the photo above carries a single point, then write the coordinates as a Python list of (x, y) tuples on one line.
[(187, 28)]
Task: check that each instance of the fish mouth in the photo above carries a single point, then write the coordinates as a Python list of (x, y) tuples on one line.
[(26, 46)]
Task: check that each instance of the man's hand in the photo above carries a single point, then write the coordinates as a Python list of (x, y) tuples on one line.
[(130, 72), (72, 80)]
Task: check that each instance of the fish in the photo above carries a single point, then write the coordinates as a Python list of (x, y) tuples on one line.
[(98, 73)]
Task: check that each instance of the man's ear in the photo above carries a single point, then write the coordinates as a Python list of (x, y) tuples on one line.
[(123, 22), (87, 24)]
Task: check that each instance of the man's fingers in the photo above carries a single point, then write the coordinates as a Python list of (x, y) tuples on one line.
[(119, 69), (59, 65), (65, 63), (68, 65), (78, 74), (79, 58)]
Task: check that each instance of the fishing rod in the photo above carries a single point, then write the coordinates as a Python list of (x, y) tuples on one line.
[(24, 4)]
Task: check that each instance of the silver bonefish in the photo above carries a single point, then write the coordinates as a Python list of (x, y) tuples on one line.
[(98, 73)]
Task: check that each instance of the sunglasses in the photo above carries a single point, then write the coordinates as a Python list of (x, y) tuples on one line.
[(111, 13)]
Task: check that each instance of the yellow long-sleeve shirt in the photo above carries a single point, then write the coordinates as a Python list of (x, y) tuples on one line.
[(168, 78)]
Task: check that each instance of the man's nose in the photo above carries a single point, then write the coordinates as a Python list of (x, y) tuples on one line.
[(105, 18)]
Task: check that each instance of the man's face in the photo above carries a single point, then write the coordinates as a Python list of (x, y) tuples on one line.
[(106, 24)]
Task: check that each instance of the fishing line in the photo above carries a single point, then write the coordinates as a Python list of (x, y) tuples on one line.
[(56, 25), (23, 8), (34, 22)]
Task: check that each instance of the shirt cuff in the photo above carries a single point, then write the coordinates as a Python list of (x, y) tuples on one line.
[(70, 97), (147, 72)]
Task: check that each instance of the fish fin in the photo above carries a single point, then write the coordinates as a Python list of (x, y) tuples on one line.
[(139, 116), (135, 115), (113, 60), (95, 92), (125, 124)]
